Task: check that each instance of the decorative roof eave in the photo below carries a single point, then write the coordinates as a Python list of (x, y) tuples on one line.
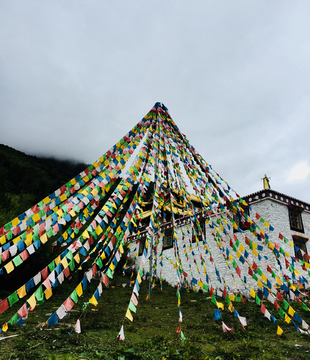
[(277, 196)]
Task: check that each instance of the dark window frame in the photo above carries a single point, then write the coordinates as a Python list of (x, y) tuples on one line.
[(300, 242), (199, 235), (295, 218), (168, 238)]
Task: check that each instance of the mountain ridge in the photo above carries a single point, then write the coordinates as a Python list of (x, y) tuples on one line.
[(26, 179)]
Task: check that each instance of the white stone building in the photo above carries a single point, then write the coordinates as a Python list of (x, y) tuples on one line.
[(285, 215)]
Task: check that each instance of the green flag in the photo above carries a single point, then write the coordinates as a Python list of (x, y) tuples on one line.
[(13, 298), (214, 300), (74, 296), (17, 260), (39, 294), (132, 307), (13, 319)]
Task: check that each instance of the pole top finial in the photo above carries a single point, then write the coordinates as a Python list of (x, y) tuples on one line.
[(266, 182)]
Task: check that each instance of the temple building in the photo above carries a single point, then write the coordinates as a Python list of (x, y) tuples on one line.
[(284, 219)]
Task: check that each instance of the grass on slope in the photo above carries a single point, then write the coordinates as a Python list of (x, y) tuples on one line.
[(151, 335)]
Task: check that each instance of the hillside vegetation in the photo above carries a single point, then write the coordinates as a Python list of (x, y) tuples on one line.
[(26, 179)]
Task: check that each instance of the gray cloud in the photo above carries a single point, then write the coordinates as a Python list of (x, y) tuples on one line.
[(75, 76)]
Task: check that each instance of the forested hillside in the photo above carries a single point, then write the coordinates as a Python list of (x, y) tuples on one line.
[(26, 179)]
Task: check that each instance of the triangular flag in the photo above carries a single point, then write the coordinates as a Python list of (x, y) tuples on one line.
[(226, 328), (77, 326), (182, 336), (121, 335), (279, 331), (22, 312), (93, 301), (128, 315)]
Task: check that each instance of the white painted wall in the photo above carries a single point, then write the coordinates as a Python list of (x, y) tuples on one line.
[(274, 212)]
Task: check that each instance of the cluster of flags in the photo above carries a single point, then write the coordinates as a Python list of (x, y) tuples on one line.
[(99, 213)]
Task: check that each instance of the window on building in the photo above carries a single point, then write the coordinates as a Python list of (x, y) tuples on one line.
[(197, 232), (240, 219), (168, 238), (300, 243), (295, 218)]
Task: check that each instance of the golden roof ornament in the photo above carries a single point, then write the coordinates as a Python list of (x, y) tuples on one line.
[(266, 182)]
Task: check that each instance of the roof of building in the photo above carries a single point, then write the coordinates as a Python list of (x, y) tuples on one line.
[(277, 196)]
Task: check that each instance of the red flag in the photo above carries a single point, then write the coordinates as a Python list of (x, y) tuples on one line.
[(4, 305), (277, 306), (279, 297), (179, 329), (22, 312)]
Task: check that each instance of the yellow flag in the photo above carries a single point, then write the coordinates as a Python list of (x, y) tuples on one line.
[(259, 284), (36, 217), (59, 212), (46, 200), (98, 230), (21, 292), (64, 262), (112, 267), (287, 319), (231, 307), (93, 300), (291, 311), (79, 290), (9, 267), (43, 238), (32, 301), (2, 239), (57, 260), (254, 251), (278, 280), (77, 258), (264, 277), (5, 327), (128, 315), (121, 249), (48, 293), (15, 221), (220, 305), (253, 293), (139, 278), (28, 240), (94, 192), (279, 331), (72, 213)]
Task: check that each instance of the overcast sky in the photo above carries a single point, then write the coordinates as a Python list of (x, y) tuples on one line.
[(75, 76)]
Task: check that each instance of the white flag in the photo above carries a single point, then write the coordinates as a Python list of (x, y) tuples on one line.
[(121, 335)]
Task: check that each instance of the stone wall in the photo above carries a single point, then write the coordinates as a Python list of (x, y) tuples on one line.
[(275, 213)]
